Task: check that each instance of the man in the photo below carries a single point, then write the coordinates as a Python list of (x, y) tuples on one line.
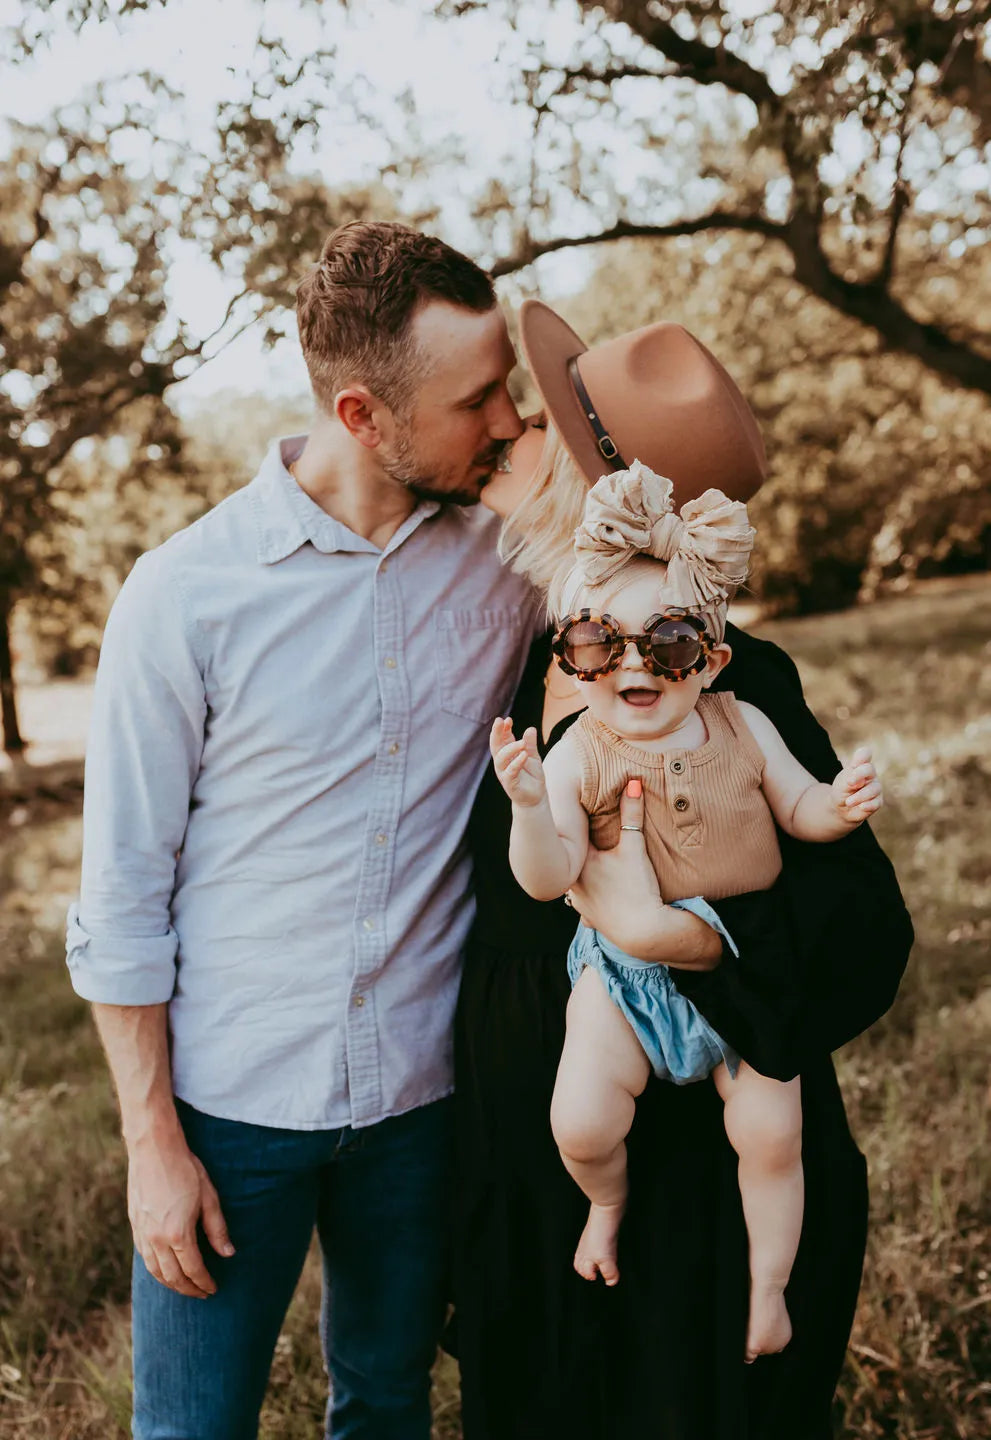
[(291, 717)]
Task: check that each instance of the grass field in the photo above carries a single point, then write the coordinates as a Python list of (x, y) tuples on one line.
[(911, 675)]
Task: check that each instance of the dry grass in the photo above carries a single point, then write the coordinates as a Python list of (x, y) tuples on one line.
[(913, 676)]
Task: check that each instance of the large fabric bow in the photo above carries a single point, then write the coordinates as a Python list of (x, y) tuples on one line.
[(707, 547)]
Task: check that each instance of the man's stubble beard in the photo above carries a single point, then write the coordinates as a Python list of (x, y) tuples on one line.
[(406, 468)]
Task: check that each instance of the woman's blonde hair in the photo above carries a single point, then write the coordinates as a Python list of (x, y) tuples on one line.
[(537, 538)]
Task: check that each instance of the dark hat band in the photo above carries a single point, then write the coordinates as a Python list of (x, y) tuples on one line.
[(607, 446)]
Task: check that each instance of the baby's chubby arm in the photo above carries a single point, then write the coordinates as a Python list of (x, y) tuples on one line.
[(549, 839), (802, 805)]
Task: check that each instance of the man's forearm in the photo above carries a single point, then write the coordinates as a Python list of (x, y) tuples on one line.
[(168, 1190), (136, 1041)]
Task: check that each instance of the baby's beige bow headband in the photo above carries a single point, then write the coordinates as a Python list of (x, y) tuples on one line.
[(707, 548)]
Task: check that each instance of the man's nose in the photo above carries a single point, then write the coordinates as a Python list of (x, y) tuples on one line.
[(504, 419)]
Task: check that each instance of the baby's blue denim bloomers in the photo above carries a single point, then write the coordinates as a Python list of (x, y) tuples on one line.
[(679, 1044)]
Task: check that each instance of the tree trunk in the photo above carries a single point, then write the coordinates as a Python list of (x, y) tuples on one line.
[(13, 741)]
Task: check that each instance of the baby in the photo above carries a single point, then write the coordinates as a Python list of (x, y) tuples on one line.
[(644, 607)]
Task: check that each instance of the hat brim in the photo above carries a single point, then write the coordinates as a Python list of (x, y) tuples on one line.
[(548, 344)]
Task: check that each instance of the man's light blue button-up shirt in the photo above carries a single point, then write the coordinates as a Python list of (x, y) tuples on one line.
[(289, 726)]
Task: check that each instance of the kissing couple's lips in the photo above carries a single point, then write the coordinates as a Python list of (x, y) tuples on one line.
[(504, 460), (493, 461)]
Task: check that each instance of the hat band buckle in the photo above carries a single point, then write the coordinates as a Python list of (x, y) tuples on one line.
[(608, 448)]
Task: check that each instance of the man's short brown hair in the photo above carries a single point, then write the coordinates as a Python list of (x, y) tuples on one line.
[(355, 309)]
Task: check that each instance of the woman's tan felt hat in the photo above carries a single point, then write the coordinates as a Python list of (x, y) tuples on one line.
[(655, 395)]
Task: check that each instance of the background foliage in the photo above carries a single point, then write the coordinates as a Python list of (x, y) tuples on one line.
[(806, 186)]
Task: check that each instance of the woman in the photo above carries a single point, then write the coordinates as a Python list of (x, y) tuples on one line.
[(543, 1353)]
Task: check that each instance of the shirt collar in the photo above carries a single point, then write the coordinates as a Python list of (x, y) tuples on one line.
[(286, 517)]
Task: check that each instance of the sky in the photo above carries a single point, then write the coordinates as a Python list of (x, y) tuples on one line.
[(194, 44)]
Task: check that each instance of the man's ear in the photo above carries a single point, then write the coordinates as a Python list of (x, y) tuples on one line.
[(360, 413), (717, 659)]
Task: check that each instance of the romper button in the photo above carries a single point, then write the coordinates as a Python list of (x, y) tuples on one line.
[(677, 766), (681, 803)]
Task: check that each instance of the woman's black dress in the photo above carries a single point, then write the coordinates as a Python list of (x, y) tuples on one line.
[(544, 1353)]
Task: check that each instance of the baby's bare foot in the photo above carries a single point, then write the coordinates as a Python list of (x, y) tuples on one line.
[(768, 1326), (596, 1253)]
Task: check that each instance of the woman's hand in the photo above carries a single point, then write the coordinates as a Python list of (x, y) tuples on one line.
[(517, 764), (617, 893)]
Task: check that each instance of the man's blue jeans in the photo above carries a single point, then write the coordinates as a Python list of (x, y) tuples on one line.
[(379, 1198)]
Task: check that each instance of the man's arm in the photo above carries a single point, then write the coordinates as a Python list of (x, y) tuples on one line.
[(146, 740), (168, 1190)]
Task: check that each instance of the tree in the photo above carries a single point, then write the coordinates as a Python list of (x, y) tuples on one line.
[(841, 147), (92, 208), (853, 136)]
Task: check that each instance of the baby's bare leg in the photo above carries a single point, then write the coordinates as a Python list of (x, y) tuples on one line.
[(764, 1124), (603, 1069)]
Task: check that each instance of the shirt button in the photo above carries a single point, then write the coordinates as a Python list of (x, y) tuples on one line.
[(359, 1000), (381, 839), (681, 803), (390, 663), (383, 567), (677, 766), (394, 748), (368, 924)]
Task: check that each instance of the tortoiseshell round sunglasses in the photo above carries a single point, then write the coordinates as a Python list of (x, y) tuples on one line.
[(674, 644)]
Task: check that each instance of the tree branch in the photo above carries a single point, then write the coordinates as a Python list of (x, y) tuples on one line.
[(531, 250), (715, 65), (569, 77), (707, 64), (900, 194), (872, 304), (866, 301)]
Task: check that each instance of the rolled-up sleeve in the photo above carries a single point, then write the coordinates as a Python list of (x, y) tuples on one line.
[(145, 743)]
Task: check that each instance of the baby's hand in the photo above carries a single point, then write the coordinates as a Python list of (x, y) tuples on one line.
[(857, 790), (517, 764)]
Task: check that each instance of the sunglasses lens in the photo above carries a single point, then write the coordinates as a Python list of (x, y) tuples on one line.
[(588, 645), (675, 645)]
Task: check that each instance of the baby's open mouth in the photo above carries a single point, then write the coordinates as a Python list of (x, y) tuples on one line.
[(642, 699)]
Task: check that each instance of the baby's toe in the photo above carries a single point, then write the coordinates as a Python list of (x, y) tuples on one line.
[(609, 1271), (586, 1268)]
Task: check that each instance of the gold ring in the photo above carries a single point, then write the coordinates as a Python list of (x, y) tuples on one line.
[(637, 828)]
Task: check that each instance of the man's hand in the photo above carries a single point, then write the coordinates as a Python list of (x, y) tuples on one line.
[(517, 764), (168, 1193), (857, 789), (617, 893)]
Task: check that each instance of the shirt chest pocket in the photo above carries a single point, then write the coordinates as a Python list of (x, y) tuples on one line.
[(479, 653)]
